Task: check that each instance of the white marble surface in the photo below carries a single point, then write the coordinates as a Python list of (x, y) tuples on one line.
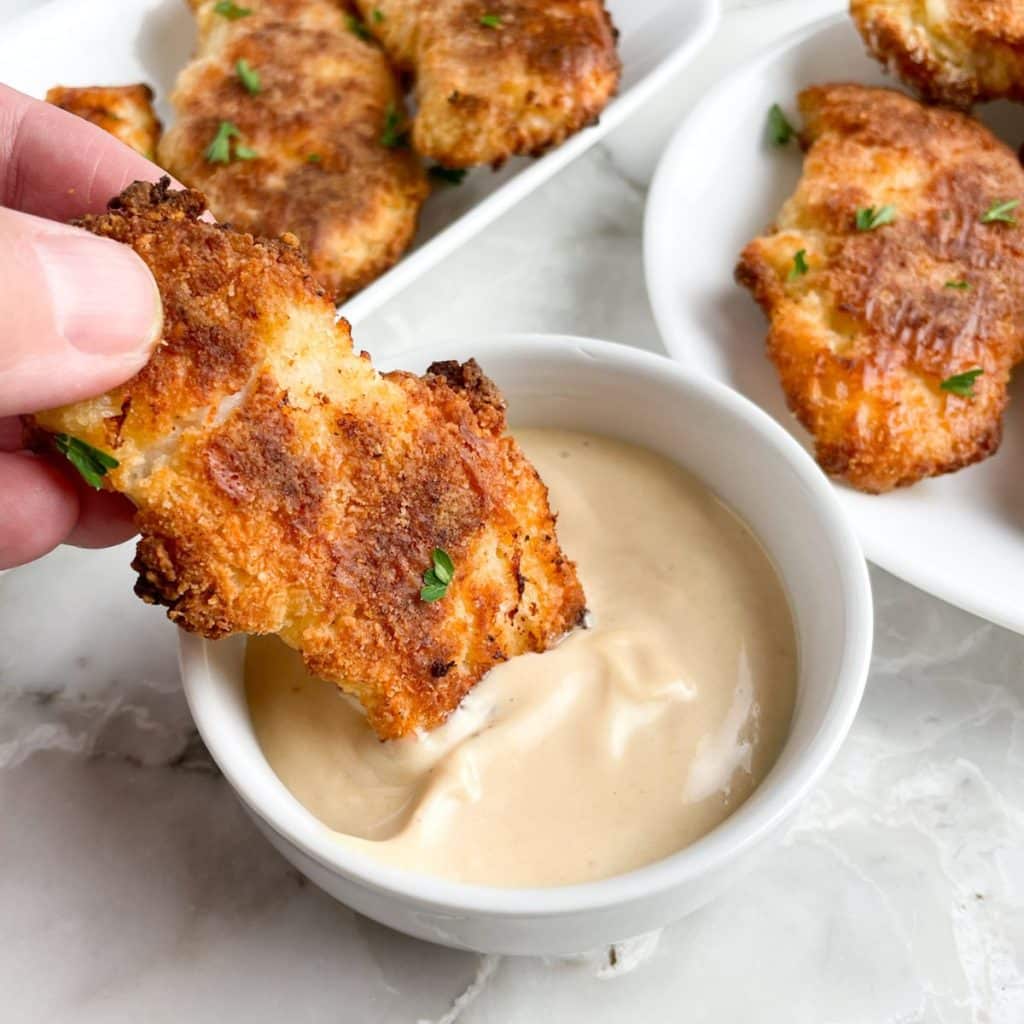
[(132, 887)]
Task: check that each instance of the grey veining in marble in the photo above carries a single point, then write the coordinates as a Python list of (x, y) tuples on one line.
[(133, 887)]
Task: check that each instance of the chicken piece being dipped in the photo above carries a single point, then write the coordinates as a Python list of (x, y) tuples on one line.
[(385, 525)]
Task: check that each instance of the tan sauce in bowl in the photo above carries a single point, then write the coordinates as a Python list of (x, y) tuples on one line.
[(622, 745)]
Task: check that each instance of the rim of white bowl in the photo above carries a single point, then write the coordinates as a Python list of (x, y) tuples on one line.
[(780, 793)]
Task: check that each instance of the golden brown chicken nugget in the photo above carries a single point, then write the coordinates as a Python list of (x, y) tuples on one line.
[(290, 122), (497, 78), (124, 111), (894, 282), (284, 486), (951, 51)]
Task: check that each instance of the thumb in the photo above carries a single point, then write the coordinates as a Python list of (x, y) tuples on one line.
[(79, 314)]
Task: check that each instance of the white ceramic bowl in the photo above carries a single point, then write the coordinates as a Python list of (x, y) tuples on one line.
[(765, 476)]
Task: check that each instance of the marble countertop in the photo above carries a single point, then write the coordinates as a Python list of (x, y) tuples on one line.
[(133, 887)]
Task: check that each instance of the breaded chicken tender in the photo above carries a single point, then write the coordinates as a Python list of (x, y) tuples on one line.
[(124, 111), (497, 78), (284, 486), (286, 120), (951, 51), (895, 267)]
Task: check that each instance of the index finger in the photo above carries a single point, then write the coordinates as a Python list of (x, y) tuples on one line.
[(56, 165)]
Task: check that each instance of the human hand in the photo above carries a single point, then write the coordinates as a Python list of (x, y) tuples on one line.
[(78, 315)]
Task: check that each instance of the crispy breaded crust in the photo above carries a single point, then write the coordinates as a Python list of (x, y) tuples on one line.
[(124, 111), (487, 92), (321, 171), (284, 486), (863, 340), (954, 52)]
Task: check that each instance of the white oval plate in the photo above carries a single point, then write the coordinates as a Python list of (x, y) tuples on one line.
[(718, 185), (121, 41)]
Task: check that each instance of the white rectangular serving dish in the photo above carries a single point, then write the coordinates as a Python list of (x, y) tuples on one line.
[(117, 42)]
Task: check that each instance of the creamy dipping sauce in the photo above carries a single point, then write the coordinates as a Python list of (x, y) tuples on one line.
[(620, 746)]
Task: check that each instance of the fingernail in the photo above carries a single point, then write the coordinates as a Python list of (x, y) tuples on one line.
[(103, 296)]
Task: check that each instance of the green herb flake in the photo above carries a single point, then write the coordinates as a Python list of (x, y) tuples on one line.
[(960, 286), (449, 175), (220, 151), (491, 20), (357, 28), (1001, 212), (378, 15), (313, 158), (394, 134), (869, 218), (249, 77), (962, 384), (800, 266), (438, 576), (780, 131), (90, 462), (231, 11)]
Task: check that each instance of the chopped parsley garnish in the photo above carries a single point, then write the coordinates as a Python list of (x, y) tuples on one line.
[(394, 134), (313, 158), (960, 286), (90, 462), (780, 131), (357, 28), (378, 15), (1001, 211), (219, 150), (438, 576), (491, 20), (962, 384), (249, 77), (231, 11), (449, 175), (869, 218), (799, 265)]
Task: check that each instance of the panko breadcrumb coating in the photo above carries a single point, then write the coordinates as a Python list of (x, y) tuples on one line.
[(911, 279), (951, 51), (304, 133), (124, 111), (284, 486), (499, 78)]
